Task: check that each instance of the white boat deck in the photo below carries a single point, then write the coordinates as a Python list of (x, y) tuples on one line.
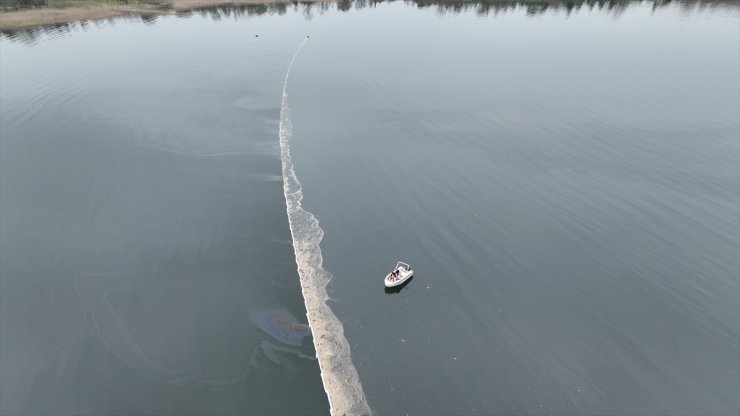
[(400, 274)]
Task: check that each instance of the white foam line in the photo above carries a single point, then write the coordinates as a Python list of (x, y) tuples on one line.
[(338, 374)]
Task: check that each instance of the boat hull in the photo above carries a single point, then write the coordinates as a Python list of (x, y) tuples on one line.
[(397, 282)]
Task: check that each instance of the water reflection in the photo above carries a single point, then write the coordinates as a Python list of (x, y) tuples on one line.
[(283, 327), (309, 8), (535, 7)]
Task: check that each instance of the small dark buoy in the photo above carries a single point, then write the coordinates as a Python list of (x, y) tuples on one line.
[(256, 36), (307, 36)]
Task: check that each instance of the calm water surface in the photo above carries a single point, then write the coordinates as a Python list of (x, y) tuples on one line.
[(147, 265), (564, 184)]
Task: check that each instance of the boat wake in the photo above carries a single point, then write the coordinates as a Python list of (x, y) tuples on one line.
[(341, 382)]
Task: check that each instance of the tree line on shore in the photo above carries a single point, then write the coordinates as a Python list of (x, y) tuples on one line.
[(308, 7), (272, 5)]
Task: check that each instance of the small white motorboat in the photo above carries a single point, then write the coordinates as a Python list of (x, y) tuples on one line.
[(399, 275)]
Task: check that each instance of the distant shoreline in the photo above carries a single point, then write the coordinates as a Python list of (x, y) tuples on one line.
[(19, 15), (27, 18)]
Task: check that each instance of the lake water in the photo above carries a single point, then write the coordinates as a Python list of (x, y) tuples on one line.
[(564, 182)]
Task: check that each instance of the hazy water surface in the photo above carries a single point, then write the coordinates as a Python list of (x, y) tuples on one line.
[(566, 188), (147, 265), (565, 185)]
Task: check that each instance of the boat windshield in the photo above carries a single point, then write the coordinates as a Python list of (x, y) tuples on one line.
[(402, 266)]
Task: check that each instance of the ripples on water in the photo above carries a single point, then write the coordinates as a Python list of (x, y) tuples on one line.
[(565, 189), (145, 247), (562, 176)]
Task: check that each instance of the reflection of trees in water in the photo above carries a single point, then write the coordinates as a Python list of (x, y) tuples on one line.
[(245, 10), (30, 36), (536, 7), (308, 8), (236, 11)]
